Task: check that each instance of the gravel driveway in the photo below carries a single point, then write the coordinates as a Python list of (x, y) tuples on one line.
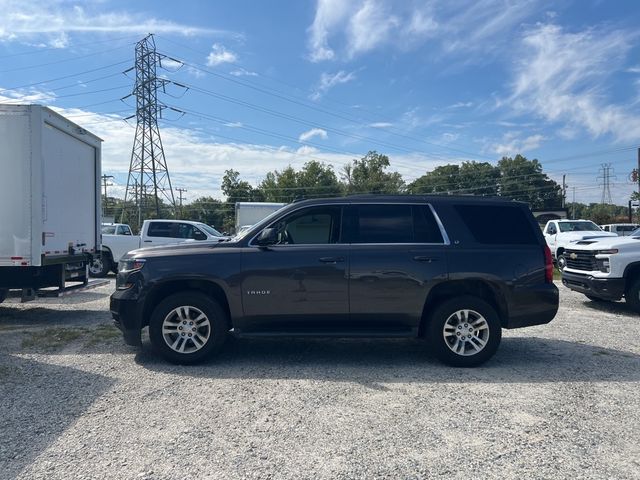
[(557, 401)]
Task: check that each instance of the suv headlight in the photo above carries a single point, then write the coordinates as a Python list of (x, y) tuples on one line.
[(131, 265)]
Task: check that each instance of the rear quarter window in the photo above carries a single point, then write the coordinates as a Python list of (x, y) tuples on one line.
[(498, 224)]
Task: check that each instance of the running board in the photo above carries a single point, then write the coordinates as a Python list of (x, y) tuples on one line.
[(412, 333)]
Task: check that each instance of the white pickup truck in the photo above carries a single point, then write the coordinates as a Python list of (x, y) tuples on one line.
[(605, 269), (117, 239), (560, 234)]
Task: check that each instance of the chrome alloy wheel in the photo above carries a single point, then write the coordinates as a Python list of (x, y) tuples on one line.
[(466, 332), (96, 266), (186, 329)]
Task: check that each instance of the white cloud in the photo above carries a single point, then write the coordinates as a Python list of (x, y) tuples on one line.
[(219, 54), (344, 29), (369, 27), (328, 81), (563, 77), (314, 132), (461, 105), (241, 72), (23, 21), (381, 125), (512, 144), (329, 14)]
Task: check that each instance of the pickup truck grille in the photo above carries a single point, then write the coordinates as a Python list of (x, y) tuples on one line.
[(584, 260)]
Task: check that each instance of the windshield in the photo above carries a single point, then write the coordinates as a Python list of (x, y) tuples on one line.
[(109, 230), (210, 230), (579, 227), (265, 221)]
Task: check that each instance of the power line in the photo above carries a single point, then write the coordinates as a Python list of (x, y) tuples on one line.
[(65, 60)]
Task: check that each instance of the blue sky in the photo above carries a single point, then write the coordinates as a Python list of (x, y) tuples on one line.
[(273, 84)]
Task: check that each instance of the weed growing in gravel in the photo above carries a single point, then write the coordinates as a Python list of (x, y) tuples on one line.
[(51, 338), (102, 334)]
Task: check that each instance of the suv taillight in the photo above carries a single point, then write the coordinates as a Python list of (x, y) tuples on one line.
[(548, 265)]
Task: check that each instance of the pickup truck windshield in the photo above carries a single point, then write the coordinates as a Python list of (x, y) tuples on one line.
[(210, 230), (578, 227)]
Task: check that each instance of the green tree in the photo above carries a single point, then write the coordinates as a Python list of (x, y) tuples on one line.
[(207, 210), (523, 179), (237, 190), (478, 178), (314, 180), (369, 175)]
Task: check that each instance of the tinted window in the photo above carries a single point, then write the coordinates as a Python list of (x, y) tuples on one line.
[(395, 224), (425, 227), (161, 229), (491, 224), (315, 225), (124, 230)]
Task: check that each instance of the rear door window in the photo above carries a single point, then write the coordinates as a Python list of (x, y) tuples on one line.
[(161, 229), (395, 223), (498, 224)]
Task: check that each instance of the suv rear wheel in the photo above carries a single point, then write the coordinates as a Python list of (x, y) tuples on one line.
[(188, 327), (464, 331)]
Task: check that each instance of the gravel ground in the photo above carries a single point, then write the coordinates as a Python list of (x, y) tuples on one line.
[(557, 401)]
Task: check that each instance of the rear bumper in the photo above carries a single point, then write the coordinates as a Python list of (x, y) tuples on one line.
[(127, 316), (533, 306), (607, 288)]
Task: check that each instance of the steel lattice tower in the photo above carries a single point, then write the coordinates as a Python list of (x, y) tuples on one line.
[(148, 180)]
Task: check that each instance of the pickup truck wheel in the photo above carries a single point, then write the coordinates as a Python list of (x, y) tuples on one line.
[(100, 266), (3, 294), (561, 262), (464, 331), (632, 295), (187, 328)]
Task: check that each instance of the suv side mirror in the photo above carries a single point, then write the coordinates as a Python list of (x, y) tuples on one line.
[(268, 236)]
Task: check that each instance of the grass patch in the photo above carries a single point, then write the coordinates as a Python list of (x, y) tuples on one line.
[(102, 334), (557, 274), (51, 338)]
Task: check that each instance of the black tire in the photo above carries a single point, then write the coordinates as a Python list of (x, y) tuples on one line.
[(597, 299), (445, 314), (212, 336), (100, 266), (561, 262), (632, 295), (3, 294)]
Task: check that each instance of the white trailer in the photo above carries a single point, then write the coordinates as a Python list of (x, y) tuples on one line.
[(250, 213), (49, 200)]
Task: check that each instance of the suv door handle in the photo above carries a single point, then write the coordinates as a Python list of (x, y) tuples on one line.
[(424, 258), (331, 259)]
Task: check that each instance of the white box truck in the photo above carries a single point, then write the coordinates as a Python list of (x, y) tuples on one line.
[(49, 200), (250, 213)]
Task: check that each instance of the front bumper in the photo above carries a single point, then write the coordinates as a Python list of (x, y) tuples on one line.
[(126, 311), (607, 288)]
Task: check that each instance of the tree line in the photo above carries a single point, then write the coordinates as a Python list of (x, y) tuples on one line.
[(516, 178)]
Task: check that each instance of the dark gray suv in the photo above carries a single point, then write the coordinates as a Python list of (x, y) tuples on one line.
[(439, 267)]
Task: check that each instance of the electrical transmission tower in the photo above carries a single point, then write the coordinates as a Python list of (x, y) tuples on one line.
[(148, 183), (606, 175)]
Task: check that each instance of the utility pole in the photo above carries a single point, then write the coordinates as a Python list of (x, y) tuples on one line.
[(105, 178), (180, 197), (573, 213), (148, 168), (564, 191)]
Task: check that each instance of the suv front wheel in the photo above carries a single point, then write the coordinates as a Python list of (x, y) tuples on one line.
[(464, 331), (188, 327)]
